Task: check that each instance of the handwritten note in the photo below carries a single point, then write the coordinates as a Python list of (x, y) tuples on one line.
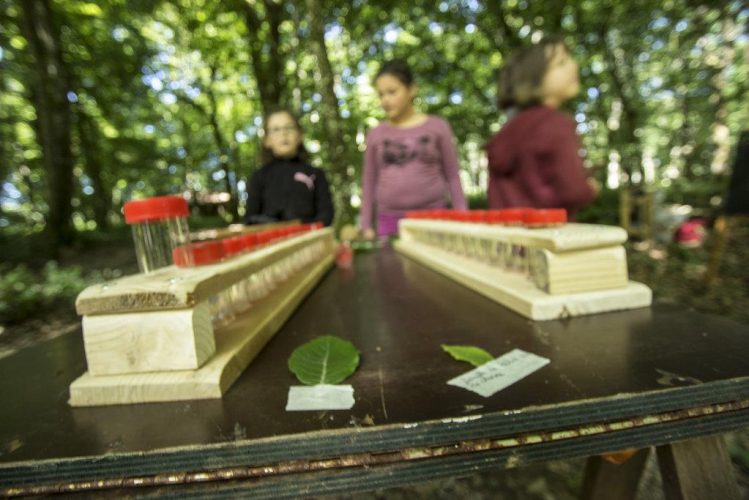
[(495, 375), (320, 397)]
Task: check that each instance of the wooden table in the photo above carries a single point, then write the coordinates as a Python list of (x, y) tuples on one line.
[(633, 379)]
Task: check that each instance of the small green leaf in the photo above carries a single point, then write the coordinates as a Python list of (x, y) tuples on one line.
[(474, 355), (324, 360), (87, 9)]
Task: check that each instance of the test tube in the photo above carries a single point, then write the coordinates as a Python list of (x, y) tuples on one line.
[(159, 226)]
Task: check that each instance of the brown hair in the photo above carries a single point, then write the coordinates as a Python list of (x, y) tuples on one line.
[(399, 69), (267, 154), (520, 80)]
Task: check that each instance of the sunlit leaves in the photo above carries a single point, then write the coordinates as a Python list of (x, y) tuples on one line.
[(148, 75)]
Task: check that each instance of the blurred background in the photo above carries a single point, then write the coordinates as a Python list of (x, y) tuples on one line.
[(104, 101)]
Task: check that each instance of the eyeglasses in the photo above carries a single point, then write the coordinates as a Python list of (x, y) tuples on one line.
[(279, 130)]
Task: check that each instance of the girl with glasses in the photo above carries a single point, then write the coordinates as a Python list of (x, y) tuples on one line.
[(287, 187)]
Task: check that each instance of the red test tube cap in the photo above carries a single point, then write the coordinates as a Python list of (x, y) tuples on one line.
[(207, 252), (545, 217), (249, 241), (477, 216), (233, 245), (509, 216), (156, 208)]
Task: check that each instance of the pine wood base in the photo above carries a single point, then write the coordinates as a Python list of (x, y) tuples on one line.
[(515, 291), (236, 345)]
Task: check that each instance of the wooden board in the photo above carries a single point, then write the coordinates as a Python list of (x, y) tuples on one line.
[(581, 271), (604, 480), (179, 288), (515, 291), (564, 238), (148, 341), (698, 468), (236, 345)]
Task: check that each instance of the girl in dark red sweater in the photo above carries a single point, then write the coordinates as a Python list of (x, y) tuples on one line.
[(534, 159)]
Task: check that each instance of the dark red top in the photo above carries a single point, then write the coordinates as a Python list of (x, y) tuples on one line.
[(534, 161)]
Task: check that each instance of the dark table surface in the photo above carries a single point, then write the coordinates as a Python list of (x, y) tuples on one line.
[(617, 366)]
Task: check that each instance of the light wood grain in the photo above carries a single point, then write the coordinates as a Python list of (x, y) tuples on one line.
[(564, 238), (515, 291), (236, 345), (180, 288), (580, 271), (148, 341), (697, 469), (604, 480)]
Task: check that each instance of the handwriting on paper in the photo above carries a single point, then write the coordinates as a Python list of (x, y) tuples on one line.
[(495, 375)]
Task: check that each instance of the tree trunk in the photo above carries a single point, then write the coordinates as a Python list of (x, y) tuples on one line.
[(685, 137), (89, 143), (332, 121), (189, 159), (625, 140), (265, 51), (721, 140), (52, 116), (5, 128), (224, 153)]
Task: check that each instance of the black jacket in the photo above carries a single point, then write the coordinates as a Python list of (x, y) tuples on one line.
[(288, 188)]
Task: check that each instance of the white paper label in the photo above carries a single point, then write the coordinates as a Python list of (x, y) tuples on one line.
[(320, 397), (499, 373)]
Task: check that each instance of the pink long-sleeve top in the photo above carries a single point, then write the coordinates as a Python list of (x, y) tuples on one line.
[(410, 168), (534, 161)]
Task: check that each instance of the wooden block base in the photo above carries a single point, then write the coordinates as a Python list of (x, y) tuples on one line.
[(516, 291), (149, 341), (236, 345), (697, 469)]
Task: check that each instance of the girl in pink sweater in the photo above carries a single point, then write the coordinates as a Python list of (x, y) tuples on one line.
[(534, 160), (410, 162)]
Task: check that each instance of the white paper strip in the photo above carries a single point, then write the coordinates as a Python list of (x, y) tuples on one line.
[(499, 373), (320, 397)]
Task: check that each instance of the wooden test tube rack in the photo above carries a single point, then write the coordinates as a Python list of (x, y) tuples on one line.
[(575, 269), (156, 337)]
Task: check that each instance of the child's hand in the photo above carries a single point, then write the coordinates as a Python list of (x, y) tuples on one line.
[(368, 234)]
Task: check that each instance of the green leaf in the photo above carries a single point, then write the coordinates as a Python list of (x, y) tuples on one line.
[(474, 355), (324, 360), (87, 9)]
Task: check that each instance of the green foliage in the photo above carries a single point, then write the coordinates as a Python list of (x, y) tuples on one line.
[(477, 201), (703, 192), (23, 292), (324, 360), (166, 96), (20, 295), (676, 275), (62, 283), (604, 210), (470, 354)]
